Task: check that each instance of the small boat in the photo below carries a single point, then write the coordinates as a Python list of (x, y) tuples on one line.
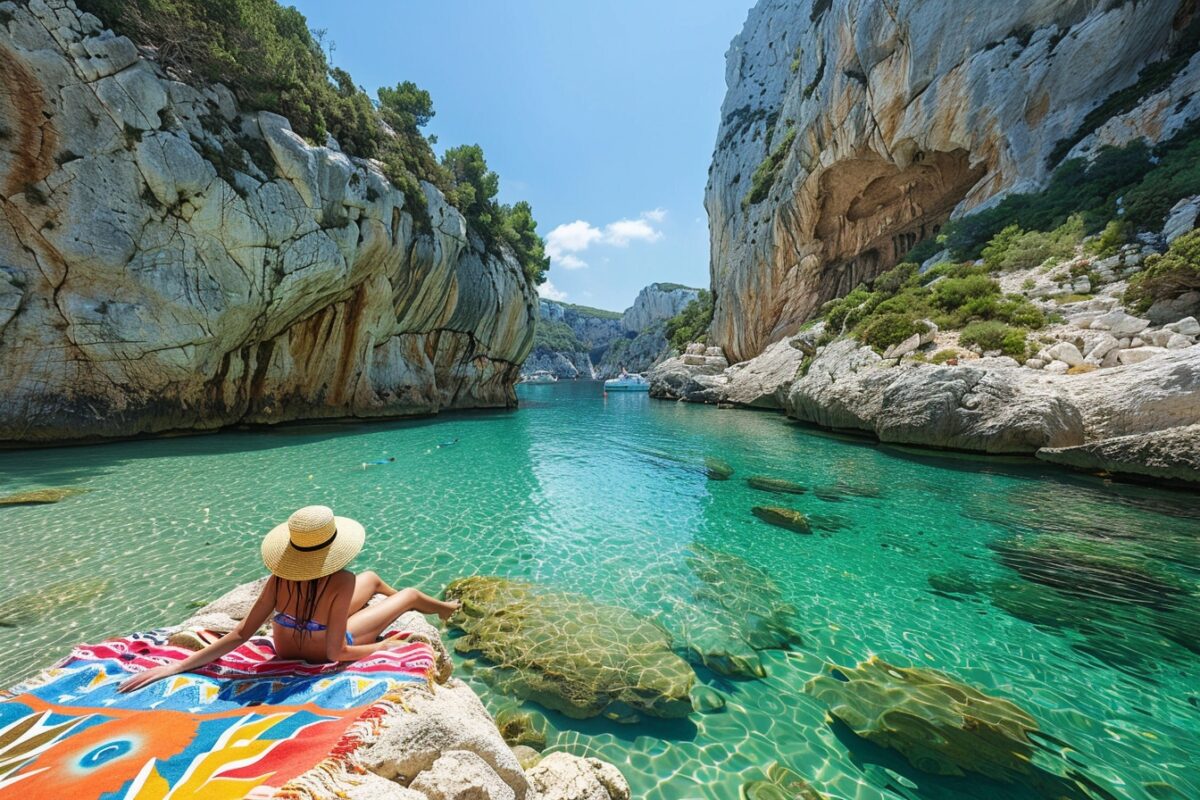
[(627, 383), (541, 376)]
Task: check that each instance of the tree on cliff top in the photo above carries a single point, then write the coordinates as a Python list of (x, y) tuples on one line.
[(268, 57)]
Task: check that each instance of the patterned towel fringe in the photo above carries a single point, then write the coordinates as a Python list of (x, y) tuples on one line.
[(341, 767)]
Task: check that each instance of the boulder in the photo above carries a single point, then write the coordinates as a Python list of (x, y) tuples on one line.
[(1171, 454), (1185, 305), (1178, 341), (1102, 346), (562, 776), (1057, 367), (461, 775), (694, 361), (614, 662), (1067, 353), (1120, 324), (695, 349), (1139, 354), (373, 787), (902, 349), (1182, 218), (963, 407), (1188, 326), (450, 719), (1034, 363)]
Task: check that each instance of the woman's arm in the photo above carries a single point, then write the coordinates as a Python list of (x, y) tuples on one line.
[(226, 644), (336, 648)]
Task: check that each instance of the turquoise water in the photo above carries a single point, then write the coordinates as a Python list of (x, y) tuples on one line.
[(603, 497)]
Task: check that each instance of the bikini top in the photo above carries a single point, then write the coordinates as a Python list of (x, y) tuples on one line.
[(288, 621)]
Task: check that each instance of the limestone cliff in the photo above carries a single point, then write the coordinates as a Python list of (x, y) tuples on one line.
[(168, 262), (580, 342), (656, 303), (854, 128)]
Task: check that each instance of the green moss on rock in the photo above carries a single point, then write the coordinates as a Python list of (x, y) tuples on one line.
[(569, 653), (783, 517), (777, 485), (40, 496)]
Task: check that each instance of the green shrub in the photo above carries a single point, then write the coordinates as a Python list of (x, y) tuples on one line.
[(942, 356), (952, 293), (691, 324), (557, 337), (1167, 276), (836, 311), (895, 278), (885, 330), (764, 177), (1013, 249), (1109, 242), (994, 335)]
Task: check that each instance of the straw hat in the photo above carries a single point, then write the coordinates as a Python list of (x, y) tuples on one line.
[(312, 543)]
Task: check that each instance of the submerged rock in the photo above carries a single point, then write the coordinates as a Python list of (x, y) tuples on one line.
[(34, 605), (939, 724), (1090, 570), (41, 496), (717, 469), (957, 582), (737, 611), (519, 727), (562, 776), (783, 518), (781, 783), (777, 485), (569, 653)]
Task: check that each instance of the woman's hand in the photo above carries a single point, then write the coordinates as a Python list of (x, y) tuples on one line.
[(395, 640), (135, 682)]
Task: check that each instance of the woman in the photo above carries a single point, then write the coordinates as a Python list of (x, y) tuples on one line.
[(318, 609)]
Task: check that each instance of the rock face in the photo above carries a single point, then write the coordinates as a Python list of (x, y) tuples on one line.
[(171, 263), (657, 302), (1138, 418), (869, 124)]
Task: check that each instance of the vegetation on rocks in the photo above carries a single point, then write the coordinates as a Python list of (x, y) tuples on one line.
[(764, 177), (1169, 275), (953, 296), (271, 61), (557, 337), (1135, 185), (691, 324)]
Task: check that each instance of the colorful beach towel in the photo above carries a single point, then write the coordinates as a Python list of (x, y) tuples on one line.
[(242, 727)]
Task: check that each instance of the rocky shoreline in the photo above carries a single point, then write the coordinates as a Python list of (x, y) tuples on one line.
[(1137, 419), (441, 743)]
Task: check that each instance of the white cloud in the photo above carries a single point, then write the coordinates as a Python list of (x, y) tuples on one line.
[(548, 291), (624, 231), (566, 240), (571, 238), (569, 261)]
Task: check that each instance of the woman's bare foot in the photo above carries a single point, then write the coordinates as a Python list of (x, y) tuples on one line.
[(448, 609)]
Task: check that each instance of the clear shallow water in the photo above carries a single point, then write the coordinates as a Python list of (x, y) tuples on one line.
[(577, 493)]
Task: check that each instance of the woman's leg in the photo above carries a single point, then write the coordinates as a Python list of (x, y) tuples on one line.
[(366, 625), (367, 585)]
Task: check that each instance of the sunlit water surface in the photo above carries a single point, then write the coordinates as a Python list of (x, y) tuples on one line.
[(582, 493)]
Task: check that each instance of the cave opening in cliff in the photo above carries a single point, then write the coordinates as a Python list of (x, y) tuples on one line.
[(873, 212)]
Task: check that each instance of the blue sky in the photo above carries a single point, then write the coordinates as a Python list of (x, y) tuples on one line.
[(603, 115)]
